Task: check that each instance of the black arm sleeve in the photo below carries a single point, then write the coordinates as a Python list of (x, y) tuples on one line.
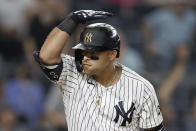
[(158, 128), (52, 71)]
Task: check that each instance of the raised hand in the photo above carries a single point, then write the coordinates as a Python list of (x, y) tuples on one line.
[(82, 16)]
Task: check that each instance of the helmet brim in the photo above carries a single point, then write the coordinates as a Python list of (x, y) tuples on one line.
[(79, 46), (89, 48)]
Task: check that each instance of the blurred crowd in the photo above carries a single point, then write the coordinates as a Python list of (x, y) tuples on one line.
[(158, 40)]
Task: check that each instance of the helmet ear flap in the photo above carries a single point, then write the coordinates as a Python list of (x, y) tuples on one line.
[(118, 47), (118, 55), (78, 60)]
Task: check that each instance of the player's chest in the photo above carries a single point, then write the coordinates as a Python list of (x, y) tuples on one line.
[(117, 106)]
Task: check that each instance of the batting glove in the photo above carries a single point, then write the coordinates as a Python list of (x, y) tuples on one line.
[(81, 16)]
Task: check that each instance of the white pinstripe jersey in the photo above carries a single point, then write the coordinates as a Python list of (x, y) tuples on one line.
[(128, 105)]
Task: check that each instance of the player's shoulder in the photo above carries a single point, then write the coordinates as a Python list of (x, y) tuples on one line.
[(146, 87), (69, 65), (68, 59), (130, 74)]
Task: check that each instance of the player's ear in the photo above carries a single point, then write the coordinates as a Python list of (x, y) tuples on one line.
[(112, 54)]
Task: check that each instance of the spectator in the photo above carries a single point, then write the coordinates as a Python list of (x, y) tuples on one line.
[(11, 48), (125, 3), (169, 33), (42, 16), (2, 98), (191, 121), (130, 57), (8, 120), (13, 16), (54, 111), (167, 91), (166, 30), (25, 96)]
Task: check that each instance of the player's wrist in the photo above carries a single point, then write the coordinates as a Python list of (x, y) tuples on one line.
[(69, 24)]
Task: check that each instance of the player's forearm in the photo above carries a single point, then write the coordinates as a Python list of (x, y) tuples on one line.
[(53, 46)]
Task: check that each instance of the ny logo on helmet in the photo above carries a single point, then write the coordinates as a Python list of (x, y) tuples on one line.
[(88, 37)]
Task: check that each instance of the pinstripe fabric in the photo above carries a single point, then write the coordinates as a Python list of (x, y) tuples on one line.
[(83, 113)]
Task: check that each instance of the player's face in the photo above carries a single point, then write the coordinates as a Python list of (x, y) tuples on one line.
[(94, 63)]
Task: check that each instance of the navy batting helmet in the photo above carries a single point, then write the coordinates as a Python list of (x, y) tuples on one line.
[(96, 37)]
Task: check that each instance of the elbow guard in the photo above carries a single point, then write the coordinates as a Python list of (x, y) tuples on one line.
[(52, 71)]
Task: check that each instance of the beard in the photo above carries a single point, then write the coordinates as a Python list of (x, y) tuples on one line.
[(89, 70)]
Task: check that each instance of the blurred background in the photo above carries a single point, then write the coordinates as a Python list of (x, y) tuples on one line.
[(158, 40)]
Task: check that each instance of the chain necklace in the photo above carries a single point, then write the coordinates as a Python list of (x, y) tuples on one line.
[(99, 97)]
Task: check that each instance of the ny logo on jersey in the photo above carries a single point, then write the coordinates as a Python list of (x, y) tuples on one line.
[(88, 37), (126, 115)]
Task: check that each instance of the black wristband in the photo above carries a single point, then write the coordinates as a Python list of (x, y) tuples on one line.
[(68, 25)]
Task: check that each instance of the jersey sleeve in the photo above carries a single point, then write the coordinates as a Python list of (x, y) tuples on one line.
[(69, 76), (150, 114)]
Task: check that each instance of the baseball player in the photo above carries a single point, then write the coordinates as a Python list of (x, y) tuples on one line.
[(99, 94)]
